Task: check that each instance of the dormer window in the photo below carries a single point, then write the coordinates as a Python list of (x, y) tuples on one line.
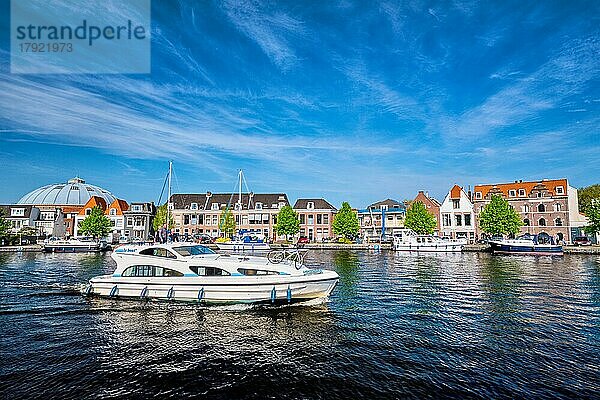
[(478, 195), (281, 204), (258, 206), (237, 206), (560, 190), (113, 211), (310, 205), (214, 206), (170, 206), (88, 211), (384, 207), (521, 192), (512, 193), (136, 208), (17, 212), (194, 206)]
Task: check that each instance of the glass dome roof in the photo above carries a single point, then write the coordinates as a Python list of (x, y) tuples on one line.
[(74, 192)]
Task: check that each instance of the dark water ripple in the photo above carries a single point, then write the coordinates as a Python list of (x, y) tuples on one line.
[(397, 326)]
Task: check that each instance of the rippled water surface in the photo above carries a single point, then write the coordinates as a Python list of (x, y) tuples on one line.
[(396, 326)]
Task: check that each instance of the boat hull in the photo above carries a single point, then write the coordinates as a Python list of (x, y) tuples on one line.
[(291, 289), (542, 250), (72, 249), (442, 248)]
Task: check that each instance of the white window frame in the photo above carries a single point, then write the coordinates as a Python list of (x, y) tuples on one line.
[(560, 190), (512, 193), (214, 206), (478, 195), (193, 206)]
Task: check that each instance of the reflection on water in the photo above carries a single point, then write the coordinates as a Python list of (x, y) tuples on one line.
[(397, 325)]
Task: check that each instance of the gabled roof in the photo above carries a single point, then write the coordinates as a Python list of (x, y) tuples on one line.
[(119, 205), (94, 201), (549, 185), (424, 198), (319, 204), (387, 202), (204, 201), (455, 192)]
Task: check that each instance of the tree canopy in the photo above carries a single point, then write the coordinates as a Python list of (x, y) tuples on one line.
[(586, 195), (499, 218), (161, 217), (287, 222), (5, 224), (419, 219), (96, 224), (227, 222), (593, 214), (345, 222)]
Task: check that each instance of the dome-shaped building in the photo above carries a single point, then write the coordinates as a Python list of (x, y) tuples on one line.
[(75, 192)]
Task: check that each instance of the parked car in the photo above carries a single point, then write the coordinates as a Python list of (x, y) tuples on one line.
[(303, 240), (582, 241), (204, 238)]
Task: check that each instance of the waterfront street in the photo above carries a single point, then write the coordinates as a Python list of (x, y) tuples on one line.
[(468, 325)]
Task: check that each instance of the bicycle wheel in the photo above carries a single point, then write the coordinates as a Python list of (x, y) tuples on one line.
[(275, 256)]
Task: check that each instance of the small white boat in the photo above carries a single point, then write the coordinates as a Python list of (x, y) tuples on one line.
[(527, 244), (191, 272), (245, 243), (76, 245), (408, 240)]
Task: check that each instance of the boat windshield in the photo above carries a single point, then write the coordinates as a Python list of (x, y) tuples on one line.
[(186, 251)]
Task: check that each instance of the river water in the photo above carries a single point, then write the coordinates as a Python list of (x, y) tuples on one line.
[(466, 325)]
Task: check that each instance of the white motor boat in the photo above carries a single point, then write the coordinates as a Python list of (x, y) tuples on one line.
[(408, 240), (245, 243), (191, 272), (76, 245)]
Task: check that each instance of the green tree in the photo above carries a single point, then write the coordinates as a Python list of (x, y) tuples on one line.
[(287, 222), (499, 218), (419, 219), (593, 215), (5, 224), (96, 224), (161, 217), (345, 222), (227, 222), (586, 195)]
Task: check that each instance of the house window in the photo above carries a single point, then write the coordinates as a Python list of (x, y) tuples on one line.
[(542, 222), (478, 195), (458, 219), (526, 222), (526, 208), (88, 211), (447, 220), (559, 190), (214, 206), (171, 206), (311, 219), (302, 218), (558, 222), (512, 193), (237, 207), (281, 204), (259, 206), (541, 208), (136, 208), (521, 192), (456, 203), (113, 211), (310, 205), (540, 194), (194, 206), (129, 221), (325, 218), (467, 219), (319, 219), (384, 207), (17, 212), (558, 207)]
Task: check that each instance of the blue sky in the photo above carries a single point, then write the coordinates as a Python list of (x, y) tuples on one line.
[(345, 100)]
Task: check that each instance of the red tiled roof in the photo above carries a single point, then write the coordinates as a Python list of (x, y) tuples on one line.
[(549, 184)]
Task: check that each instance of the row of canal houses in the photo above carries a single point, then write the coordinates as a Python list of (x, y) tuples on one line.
[(549, 206)]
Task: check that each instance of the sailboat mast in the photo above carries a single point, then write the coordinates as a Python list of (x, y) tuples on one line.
[(240, 202), (169, 195)]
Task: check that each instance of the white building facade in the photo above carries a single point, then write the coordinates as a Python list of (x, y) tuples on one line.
[(457, 216)]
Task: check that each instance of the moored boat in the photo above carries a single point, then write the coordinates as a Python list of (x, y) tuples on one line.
[(190, 272), (408, 240), (245, 243), (527, 244), (76, 245)]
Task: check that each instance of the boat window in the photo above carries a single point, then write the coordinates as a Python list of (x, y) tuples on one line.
[(248, 271), (193, 250), (157, 252), (209, 271), (150, 270)]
